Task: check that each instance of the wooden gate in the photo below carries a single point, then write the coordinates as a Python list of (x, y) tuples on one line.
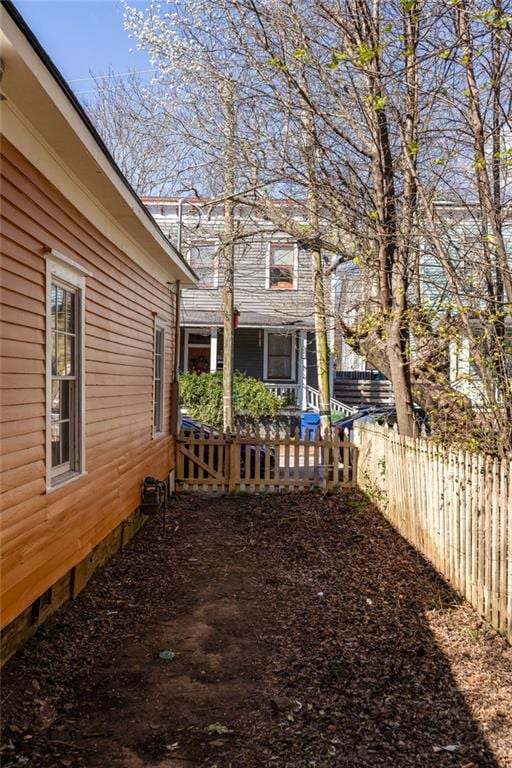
[(209, 461)]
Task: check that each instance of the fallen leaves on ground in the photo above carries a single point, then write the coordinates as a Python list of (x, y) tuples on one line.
[(306, 633)]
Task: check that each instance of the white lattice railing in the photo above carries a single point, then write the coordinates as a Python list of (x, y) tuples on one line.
[(289, 392), (313, 401)]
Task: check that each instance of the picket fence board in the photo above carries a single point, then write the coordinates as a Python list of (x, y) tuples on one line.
[(454, 507), (233, 462)]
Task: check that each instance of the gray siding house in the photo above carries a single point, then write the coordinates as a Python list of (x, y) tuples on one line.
[(274, 337)]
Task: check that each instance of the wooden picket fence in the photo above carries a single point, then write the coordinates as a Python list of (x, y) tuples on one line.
[(454, 507), (235, 462)]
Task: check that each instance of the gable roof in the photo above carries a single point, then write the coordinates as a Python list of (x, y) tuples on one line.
[(35, 91)]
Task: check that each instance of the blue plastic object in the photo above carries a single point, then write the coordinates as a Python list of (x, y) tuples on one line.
[(308, 423)]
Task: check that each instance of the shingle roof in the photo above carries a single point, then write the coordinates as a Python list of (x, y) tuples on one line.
[(194, 317)]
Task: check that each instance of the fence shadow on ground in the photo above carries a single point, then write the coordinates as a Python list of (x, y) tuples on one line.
[(356, 645), (303, 623), (454, 506)]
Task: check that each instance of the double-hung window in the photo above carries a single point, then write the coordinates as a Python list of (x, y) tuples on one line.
[(280, 356), (282, 266), (158, 378), (65, 385), (202, 257)]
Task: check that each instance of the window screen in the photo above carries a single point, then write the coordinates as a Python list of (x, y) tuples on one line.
[(282, 262), (64, 424), (279, 352), (158, 381)]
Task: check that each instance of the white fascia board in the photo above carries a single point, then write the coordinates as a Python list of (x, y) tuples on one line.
[(36, 98)]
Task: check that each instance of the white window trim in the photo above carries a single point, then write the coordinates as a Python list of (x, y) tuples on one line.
[(190, 345), (216, 259), (214, 346), (295, 265), (159, 325), (185, 349), (276, 332), (66, 270)]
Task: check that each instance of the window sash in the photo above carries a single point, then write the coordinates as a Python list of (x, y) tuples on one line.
[(65, 335), (282, 266), (279, 361), (202, 259), (65, 274), (158, 379)]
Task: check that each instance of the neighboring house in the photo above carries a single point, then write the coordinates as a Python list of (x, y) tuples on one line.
[(463, 240), (274, 338), (88, 329)]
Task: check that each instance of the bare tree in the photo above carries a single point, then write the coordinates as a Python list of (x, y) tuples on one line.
[(132, 117), (379, 182), (229, 255), (366, 114)]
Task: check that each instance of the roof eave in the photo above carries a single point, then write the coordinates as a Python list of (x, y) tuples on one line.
[(34, 84)]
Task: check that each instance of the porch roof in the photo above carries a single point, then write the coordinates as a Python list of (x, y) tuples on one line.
[(198, 318)]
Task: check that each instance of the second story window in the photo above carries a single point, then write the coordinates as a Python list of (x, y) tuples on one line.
[(282, 266), (202, 258)]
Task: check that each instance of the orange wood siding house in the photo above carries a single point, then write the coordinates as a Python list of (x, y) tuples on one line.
[(88, 329)]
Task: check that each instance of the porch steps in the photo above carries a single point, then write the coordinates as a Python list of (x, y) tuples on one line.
[(360, 392)]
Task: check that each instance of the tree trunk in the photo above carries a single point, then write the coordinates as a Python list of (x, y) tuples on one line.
[(228, 261), (229, 331), (398, 328), (322, 347), (400, 381), (321, 343), (392, 255)]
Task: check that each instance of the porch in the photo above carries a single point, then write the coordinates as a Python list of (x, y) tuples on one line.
[(282, 357)]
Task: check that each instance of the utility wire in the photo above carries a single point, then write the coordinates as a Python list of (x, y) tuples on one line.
[(112, 74)]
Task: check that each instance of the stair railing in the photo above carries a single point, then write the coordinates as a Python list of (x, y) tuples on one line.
[(313, 402)]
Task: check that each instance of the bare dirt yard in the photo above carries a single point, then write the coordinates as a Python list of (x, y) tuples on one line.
[(289, 631)]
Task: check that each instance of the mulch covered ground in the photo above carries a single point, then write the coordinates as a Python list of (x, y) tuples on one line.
[(306, 632)]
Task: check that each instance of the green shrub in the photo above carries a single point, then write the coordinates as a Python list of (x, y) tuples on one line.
[(201, 395)]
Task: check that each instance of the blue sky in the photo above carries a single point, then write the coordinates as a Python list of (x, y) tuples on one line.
[(83, 35)]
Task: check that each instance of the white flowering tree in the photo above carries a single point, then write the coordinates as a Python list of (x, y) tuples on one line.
[(367, 114), (196, 48), (199, 71)]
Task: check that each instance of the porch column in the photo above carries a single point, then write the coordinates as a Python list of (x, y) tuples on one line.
[(303, 370), (213, 349), (332, 339)]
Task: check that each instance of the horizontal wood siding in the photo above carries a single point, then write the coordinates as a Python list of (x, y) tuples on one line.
[(46, 534), (251, 292)]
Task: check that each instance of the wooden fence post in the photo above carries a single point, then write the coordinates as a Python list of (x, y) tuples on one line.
[(230, 463)]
